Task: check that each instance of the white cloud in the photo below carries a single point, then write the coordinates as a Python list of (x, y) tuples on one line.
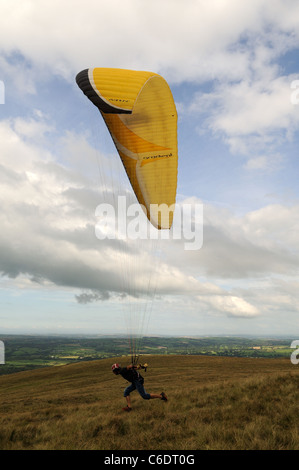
[(197, 41), (48, 233), (17, 74), (264, 162), (48, 226), (48, 236), (233, 306), (252, 118), (32, 128)]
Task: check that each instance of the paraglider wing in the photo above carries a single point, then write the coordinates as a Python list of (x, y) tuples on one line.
[(140, 113)]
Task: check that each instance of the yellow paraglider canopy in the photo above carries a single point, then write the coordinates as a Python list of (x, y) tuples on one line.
[(141, 116)]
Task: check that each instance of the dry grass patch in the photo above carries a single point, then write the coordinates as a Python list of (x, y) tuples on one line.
[(214, 403)]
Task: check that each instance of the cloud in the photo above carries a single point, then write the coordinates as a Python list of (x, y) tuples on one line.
[(254, 108), (48, 226), (86, 297), (48, 238), (264, 162), (48, 232), (255, 119), (234, 47), (233, 306), (17, 74), (253, 245), (200, 41)]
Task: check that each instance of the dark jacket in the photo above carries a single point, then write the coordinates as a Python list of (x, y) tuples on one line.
[(131, 375)]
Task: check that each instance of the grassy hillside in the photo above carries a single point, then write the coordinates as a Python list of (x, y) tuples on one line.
[(214, 403)]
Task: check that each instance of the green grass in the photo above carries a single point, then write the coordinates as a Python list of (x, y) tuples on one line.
[(214, 403)]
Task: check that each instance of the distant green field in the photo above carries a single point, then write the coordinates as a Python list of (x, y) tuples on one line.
[(30, 352)]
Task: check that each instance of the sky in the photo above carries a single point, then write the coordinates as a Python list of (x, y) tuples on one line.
[(233, 70)]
